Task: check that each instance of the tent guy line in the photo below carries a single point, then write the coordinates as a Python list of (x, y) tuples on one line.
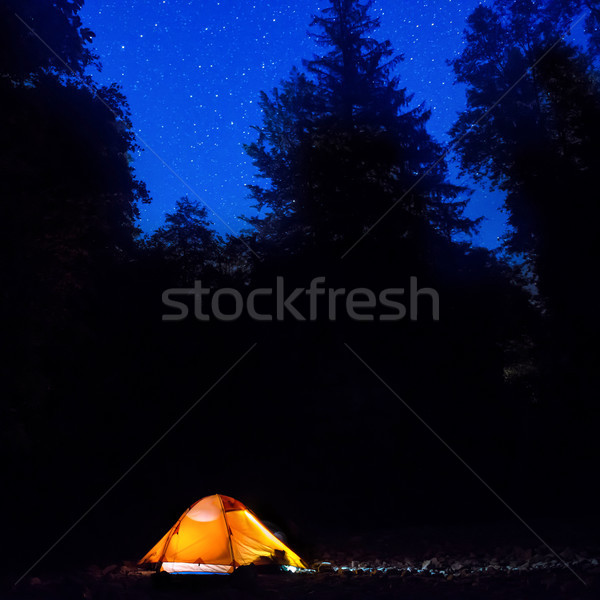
[(136, 463), (465, 463), (138, 136), (462, 137)]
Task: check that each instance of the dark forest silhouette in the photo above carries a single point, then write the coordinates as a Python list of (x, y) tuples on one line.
[(92, 376)]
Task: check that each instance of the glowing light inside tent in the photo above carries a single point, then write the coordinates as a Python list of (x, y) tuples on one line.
[(182, 567), (266, 531), (205, 511)]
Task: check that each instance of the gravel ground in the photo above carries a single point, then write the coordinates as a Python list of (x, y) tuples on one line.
[(419, 564), (123, 583)]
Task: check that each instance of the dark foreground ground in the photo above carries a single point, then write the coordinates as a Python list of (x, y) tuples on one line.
[(121, 584), (421, 564)]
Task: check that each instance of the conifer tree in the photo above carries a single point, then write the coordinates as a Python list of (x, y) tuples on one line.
[(69, 192), (340, 145), (187, 241), (540, 144)]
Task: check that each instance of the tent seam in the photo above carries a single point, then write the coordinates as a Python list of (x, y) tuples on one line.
[(228, 532)]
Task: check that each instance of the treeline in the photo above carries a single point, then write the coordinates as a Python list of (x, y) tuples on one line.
[(350, 187)]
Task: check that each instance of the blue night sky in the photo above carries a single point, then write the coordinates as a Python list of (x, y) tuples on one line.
[(193, 70)]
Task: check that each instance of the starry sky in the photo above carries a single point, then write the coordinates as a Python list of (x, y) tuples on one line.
[(193, 69)]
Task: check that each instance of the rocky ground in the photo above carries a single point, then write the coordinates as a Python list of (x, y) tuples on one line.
[(468, 581), (410, 565)]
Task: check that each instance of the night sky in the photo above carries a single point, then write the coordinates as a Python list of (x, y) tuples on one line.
[(193, 70)]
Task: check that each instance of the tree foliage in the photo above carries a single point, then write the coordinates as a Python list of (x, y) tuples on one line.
[(68, 192), (65, 46), (540, 143), (70, 195), (187, 241), (340, 146)]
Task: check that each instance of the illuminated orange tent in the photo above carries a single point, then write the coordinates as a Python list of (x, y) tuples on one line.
[(216, 535)]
